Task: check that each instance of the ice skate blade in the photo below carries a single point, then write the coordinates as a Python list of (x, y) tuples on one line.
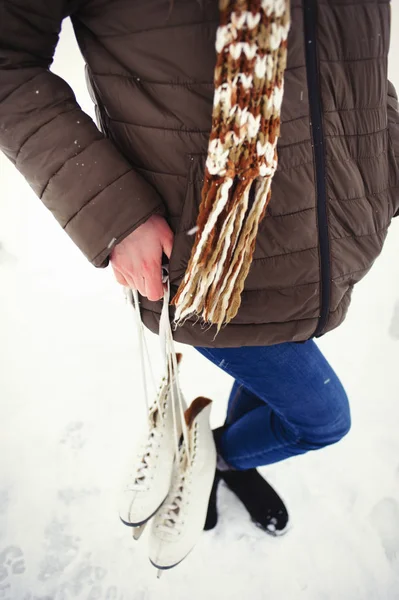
[(128, 524), (138, 531), (167, 568)]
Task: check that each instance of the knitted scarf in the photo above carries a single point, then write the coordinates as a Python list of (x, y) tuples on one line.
[(251, 47)]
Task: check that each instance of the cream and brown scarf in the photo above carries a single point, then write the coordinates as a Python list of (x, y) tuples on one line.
[(251, 47)]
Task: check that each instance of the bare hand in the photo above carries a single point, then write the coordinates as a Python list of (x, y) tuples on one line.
[(137, 260)]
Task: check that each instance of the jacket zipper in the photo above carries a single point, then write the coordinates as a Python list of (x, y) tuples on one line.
[(310, 28)]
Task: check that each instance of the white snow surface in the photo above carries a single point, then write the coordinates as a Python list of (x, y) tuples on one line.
[(72, 406)]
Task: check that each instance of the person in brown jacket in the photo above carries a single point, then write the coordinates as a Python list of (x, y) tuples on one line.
[(129, 191)]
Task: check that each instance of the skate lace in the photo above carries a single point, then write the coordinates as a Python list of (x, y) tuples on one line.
[(170, 360), (146, 453), (171, 381), (172, 516), (145, 464)]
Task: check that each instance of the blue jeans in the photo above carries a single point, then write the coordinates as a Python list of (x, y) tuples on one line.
[(286, 400)]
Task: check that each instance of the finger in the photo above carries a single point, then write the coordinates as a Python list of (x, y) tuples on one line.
[(167, 243), (129, 279), (154, 290), (139, 284), (120, 278), (153, 283)]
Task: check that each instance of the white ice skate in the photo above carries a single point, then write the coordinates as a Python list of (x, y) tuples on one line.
[(179, 522), (150, 478)]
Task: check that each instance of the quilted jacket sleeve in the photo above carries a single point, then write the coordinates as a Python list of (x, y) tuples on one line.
[(393, 123), (81, 177)]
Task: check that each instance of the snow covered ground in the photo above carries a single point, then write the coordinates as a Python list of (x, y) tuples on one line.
[(71, 406)]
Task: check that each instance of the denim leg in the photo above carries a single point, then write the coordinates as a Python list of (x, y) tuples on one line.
[(241, 401), (295, 401)]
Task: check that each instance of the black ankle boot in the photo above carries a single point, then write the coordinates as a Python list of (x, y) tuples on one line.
[(264, 505), (212, 514)]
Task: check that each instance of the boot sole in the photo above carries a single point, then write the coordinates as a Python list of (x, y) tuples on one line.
[(275, 533)]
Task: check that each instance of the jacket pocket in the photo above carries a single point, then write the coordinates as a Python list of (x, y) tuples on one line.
[(184, 237)]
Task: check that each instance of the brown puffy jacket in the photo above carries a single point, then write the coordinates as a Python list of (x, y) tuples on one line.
[(150, 69)]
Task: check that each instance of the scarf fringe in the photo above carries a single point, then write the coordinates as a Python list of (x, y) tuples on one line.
[(242, 157)]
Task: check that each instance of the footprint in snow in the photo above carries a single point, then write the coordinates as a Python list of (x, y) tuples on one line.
[(12, 564), (30, 597), (385, 520), (71, 495), (87, 581), (74, 435), (61, 549)]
